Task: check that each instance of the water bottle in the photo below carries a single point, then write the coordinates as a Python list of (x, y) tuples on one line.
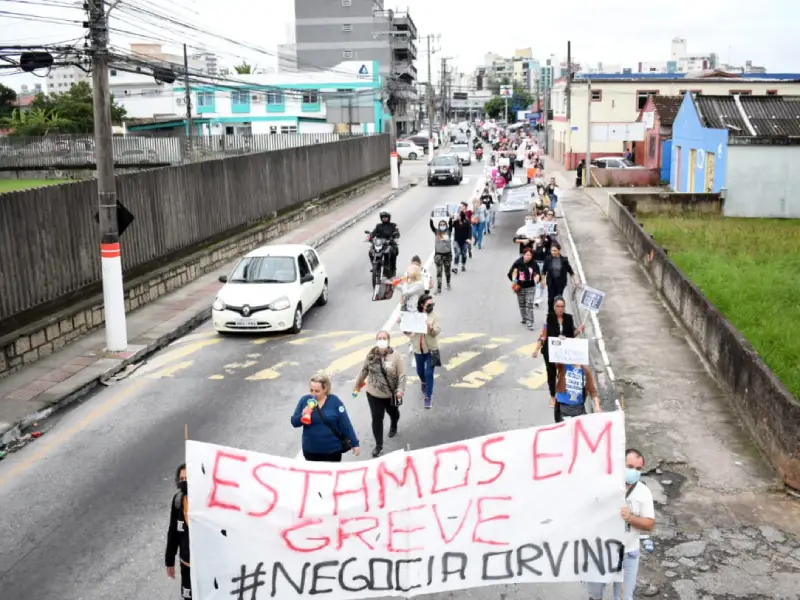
[(648, 545)]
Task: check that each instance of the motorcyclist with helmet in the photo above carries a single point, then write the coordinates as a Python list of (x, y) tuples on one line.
[(390, 232)]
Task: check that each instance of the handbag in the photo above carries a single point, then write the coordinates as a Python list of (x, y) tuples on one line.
[(395, 400), (436, 358), (347, 444)]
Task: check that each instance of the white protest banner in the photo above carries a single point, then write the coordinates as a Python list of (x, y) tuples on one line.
[(414, 322), (568, 351), (440, 212), (592, 299), (530, 231), (529, 506), (549, 227)]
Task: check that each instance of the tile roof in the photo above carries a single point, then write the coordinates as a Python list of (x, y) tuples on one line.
[(769, 117), (667, 108)]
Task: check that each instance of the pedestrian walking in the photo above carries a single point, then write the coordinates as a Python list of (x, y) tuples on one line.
[(554, 275), (426, 349), (462, 239), (479, 216), (558, 323), (383, 375), (640, 518), (327, 430), (579, 173), (550, 191), (443, 252), (541, 249), (574, 383), (178, 534), (524, 275)]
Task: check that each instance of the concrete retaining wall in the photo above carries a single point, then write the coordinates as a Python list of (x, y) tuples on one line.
[(666, 203), (626, 177), (769, 411)]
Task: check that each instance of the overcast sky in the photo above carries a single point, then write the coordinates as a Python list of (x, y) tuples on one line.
[(610, 32)]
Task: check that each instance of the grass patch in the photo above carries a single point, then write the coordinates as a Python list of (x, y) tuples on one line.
[(750, 270), (12, 185)]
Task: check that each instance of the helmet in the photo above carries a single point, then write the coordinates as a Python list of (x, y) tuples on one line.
[(385, 215)]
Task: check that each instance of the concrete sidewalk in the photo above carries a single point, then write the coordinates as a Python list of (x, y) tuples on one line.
[(724, 527), (41, 388)]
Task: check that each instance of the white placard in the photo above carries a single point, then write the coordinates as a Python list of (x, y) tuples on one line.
[(469, 514), (568, 351), (530, 231), (549, 227), (440, 212), (414, 322), (592, 299)]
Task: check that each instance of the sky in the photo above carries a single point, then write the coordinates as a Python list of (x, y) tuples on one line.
[(609, 32)]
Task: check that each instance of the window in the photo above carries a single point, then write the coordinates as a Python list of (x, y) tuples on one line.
[(347, 54), (311, 257), (597, 95), (304, 270), (641, 97), (288, 129), (347, 27), (310, 97), (347, 2), (273, 129), (741, 92), (113, 72), (772, 92), (205, 99), (275, 98), (272, 269), (240, 97)]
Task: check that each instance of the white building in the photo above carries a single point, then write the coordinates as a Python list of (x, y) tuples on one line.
[(61, 79)]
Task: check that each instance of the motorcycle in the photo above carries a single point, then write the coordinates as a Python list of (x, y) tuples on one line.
[(479, 154), (380, 253)]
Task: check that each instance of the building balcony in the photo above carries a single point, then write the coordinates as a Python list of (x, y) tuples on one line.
[(402, 21), (404, 44)]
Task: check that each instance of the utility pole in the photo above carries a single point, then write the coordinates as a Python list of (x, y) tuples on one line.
[(588, 168), (188, 102), (431, 106), (111, 258), (569, 81), (443, 89)]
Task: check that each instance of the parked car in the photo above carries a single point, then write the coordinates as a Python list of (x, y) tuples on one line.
[(463, 153), (445, 169), (271, 289), (410, 150), (421, 141), (614, 162)]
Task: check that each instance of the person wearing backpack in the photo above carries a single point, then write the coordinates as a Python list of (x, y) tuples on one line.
[(572, 384), (178, 534)]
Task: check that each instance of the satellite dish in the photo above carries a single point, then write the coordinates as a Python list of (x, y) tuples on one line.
[(33, 61)]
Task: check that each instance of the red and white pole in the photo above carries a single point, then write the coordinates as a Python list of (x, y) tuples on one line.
[(395, 170)]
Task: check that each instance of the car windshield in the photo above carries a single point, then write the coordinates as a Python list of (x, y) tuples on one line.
[(460, 148), (265, 269), (443, 161)]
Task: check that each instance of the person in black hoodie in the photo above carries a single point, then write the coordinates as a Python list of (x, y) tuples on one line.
[(178, 534), (462, 235), (554, 274)]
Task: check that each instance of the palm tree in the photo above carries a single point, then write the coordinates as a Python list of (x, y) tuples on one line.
[(36, 122), (244, 69)]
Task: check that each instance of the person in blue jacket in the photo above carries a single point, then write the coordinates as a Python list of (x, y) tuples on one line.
[(327, 430)]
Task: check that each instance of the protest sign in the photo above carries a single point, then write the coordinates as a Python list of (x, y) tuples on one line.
[(592, 299), (414, 322), (440, 212), (529, 506), (568, 351), (550, 227), (530, 231)]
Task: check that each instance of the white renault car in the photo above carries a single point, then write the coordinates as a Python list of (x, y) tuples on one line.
[(463, 153), (270, 290)]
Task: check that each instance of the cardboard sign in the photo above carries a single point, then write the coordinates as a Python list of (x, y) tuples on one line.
[(549, 227), (592, 299), (568, 351), (413, 322), (530, 231), (470, 514)]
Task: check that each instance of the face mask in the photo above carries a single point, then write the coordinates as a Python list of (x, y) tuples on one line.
[(429, 308), (442, 227), (632, 476), (382, 344), (183, 487)]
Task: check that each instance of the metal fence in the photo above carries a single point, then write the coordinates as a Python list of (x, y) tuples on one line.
[(49, 238), (78, 151)]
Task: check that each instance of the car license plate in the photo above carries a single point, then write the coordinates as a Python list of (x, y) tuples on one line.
[(442, 177), (246, 323)]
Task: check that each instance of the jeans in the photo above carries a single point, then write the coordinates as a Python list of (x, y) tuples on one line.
[(461, 251), (477, 231), (630, 570), (425, 371), (553, 202)]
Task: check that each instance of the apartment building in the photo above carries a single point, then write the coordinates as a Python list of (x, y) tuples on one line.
[(60, 79), (327, 33), (617, 99)]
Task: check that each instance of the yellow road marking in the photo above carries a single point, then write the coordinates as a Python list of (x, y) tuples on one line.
[(355, 341), (534, 380), (51, 440), (501, 340), (461, 337), (171, 370), (254, 356), (477, 379), (279, 337), (340, 365), (324, 336), (459, 359), (526, 350), (490, 346), (217, 377), (272, 372), (415, 379), (163, 360), (193, 337), (230, 368)]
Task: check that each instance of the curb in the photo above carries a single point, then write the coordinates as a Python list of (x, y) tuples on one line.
[(14, 431)]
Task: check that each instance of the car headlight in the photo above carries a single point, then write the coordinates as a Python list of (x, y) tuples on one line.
[(281, 303), (218, 304), (452, 170)]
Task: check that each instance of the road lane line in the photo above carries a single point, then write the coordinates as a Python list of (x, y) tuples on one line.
[(54, 439), (459, 359), (534, 380), (324, 336), (193, 337), (174, 355), (272, 372), (344, 363), (478, 379), (354, 341)]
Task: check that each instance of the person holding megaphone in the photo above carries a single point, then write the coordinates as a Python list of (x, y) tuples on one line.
[(327, 430)]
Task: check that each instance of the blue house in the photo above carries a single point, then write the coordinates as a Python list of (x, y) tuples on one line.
[(699, 153)]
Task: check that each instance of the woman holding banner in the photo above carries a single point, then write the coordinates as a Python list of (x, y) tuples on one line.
[(327, 430)]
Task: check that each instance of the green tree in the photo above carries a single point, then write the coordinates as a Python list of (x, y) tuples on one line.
[(244, 69), (495, 107), (8, 101), (37, 122), (75, 108)]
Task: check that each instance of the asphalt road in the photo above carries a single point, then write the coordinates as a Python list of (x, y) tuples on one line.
[(84, 510)]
